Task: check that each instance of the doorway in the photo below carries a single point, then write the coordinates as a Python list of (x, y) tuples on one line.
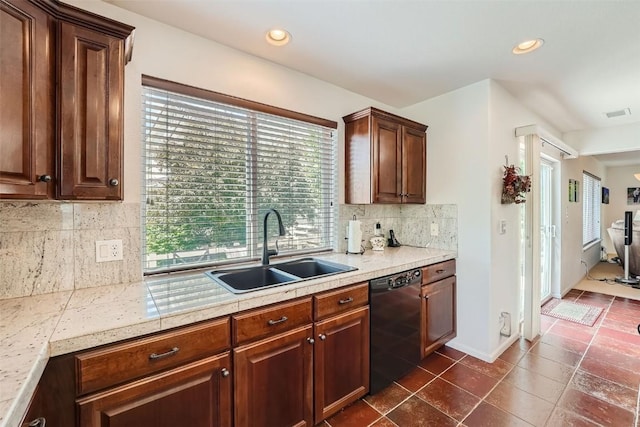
[(547, 229), (540, 249)]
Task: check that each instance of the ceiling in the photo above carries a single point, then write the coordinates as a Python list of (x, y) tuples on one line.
[(402, 52)]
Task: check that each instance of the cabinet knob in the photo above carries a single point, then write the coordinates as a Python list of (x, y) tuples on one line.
[(44, 178), (310, 340), (322, 337), (114, 182), (225, 372), (426, 297), (38, 422)]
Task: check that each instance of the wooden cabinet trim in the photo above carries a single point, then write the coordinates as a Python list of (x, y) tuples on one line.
[(375, 112), (119, 363), (434, 295), (385, 158), (259, 368), (67, 104), (264, 322), (207, 374), (340, 300), (333, 392), (26, 112), (434, 272)]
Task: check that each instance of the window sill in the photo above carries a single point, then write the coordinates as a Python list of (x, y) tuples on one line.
[(590, 245)]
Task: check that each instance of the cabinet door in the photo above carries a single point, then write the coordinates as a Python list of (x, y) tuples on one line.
[(387, 161), (91, 91), (273, 381), (414, 161), (438, 314), (341, 356), (198, 394), (26, 109)]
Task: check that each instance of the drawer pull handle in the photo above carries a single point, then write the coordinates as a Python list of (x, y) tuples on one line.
[(155, 356), (345, 301), (440, 271), (225, 372), (280, 320), (38, 422)]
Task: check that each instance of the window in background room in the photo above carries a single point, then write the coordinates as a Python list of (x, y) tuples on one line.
[(214, 164), (591, 191)]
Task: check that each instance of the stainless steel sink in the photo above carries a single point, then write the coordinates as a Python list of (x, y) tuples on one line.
[(241, 280)]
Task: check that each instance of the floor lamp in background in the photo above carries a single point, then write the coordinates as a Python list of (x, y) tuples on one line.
[(628, 237)]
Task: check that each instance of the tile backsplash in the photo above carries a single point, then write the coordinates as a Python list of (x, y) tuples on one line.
[(50, 246), (411, 224)]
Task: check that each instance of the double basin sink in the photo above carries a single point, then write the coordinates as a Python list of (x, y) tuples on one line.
[(241, 280)]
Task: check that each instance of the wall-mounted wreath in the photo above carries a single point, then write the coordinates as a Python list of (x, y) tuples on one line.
[(514, 185)]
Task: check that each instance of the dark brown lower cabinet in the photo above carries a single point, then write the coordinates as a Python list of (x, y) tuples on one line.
[(438, 314), (194, 395), (341, 362), (273, 381)]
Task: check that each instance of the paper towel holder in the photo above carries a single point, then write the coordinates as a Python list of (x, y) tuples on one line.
[(358, 244), (361, 252)]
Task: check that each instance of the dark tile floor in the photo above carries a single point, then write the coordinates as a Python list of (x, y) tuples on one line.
[(572, 375)]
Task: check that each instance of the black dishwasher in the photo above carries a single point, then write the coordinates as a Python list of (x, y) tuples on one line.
[(395, 327)]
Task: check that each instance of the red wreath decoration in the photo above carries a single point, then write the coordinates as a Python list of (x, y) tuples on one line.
[(514, 185)]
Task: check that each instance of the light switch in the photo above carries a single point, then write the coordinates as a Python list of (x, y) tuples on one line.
[(503, 226), (434, 229)]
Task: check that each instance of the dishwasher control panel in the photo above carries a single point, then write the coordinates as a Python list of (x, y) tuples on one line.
[(397, 280)]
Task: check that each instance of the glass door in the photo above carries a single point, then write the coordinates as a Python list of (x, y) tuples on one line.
[(547, 229)]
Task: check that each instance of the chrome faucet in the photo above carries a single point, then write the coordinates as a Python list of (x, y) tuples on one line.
[(266, 252)]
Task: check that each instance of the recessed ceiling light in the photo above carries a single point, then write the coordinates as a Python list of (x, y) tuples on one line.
[(527, 46), (278, 37)]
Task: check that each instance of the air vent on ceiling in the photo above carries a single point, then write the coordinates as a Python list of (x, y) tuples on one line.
[(618, 113)]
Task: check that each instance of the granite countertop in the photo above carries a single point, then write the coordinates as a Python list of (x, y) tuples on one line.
[(32, 329)]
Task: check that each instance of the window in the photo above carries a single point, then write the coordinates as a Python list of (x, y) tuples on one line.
[(213, 165), (590, 209)]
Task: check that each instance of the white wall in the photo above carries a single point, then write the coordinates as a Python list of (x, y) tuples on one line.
[(618, 179), (172, 54), (470, 131), (458, 173), (606, 140)]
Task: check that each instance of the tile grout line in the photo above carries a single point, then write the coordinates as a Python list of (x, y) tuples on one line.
[(593, 337), (413, 393), (638, 407)]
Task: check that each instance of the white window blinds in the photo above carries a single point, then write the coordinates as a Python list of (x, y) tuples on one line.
[(591, 193), (211, 171)]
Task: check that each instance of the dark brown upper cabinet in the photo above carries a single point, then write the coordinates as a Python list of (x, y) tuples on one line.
[(385, 158), (61, 119)]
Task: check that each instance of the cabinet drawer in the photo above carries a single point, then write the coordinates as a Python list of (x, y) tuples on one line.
[(435, 272), (340, 300), (118, 363), (260, 323)]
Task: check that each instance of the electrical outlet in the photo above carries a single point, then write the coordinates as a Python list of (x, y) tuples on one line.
[(434, 229), (505, 330), (109, 250)]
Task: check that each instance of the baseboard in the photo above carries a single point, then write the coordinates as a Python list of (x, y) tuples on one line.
[(487, 357)]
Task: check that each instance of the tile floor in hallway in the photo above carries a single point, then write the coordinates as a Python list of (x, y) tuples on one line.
[(572, 375)]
